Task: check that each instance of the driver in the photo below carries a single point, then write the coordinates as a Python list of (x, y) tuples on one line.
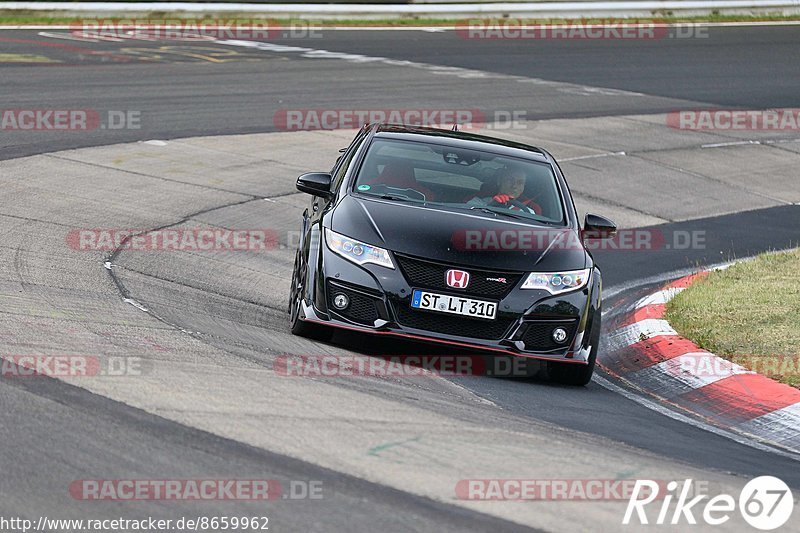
[(510, 186)]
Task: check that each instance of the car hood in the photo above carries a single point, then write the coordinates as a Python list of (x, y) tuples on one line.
[(462, 238)]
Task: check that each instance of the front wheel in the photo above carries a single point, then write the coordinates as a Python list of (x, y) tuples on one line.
[(574, 373), (296, 325)]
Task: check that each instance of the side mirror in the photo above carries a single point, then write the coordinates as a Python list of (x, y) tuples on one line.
[(316, 183), (597, 227)]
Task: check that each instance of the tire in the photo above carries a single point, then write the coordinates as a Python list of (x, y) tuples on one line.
[(573, 373), (296, 325)]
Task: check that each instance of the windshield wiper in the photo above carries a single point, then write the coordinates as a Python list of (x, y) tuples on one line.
[(511, 214), (387, 196), (394, 197), (499, 211)]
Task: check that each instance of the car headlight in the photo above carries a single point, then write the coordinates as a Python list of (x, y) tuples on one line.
[(557, 282), (357, 251)]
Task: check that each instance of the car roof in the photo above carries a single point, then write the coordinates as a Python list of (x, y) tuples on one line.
[(460, 139)]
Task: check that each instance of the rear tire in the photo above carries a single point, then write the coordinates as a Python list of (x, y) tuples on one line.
[(575, 373)]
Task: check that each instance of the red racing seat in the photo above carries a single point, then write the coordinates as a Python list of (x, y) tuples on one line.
[(400, 175)]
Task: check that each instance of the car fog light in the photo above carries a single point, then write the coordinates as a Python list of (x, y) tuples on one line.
[(559, 335), (341, 301)]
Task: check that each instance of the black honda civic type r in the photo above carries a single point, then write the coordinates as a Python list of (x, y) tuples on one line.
[(450, 237)]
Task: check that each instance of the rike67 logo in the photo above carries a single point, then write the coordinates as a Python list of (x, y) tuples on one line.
[(766, 503)]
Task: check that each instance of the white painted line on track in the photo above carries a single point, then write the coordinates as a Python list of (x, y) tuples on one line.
[(749, 142), (593, 156), (660, 278), (732, 143), (666, 411), (785, 420), (786, 417), (460, 72), (136, 304), (659, 298), (68, 37), (478, 398), (641, 330)]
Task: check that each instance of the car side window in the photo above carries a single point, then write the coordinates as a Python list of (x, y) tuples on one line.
[(340, 169)]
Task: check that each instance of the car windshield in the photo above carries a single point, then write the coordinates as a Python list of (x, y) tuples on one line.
[(438, 175)]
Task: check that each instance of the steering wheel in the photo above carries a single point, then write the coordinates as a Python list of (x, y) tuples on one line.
[(515, 203)]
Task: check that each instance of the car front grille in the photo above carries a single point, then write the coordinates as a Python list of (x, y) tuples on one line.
[(362, 308), (538, 336), (432, 275), (452, 325)]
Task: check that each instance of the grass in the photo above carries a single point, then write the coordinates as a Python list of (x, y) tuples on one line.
[(748, 314), (28, 17)]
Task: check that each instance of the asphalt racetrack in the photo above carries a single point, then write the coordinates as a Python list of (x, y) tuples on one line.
[(202, 144)]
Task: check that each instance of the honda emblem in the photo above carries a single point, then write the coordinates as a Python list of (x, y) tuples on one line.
[(458, 279)]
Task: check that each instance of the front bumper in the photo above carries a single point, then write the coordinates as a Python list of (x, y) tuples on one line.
[(380, 304)]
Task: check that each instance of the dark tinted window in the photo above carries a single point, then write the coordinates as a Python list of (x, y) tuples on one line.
[(438, 175), (340, 169)]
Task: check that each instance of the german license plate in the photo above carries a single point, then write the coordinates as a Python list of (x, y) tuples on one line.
[(455, 305)]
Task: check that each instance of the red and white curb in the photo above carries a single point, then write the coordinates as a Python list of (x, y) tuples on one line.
[(648, 354)]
